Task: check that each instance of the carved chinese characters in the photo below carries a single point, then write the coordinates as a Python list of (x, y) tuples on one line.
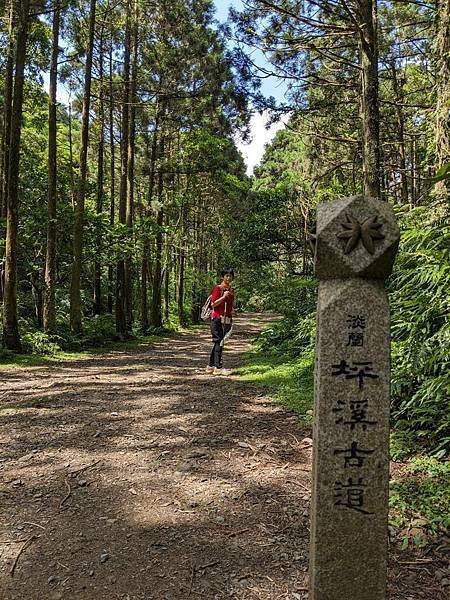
[(351, 421)]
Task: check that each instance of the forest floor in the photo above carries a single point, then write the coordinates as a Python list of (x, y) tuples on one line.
[(135, 475)]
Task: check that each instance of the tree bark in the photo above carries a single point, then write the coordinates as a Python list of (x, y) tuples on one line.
[(196, 266), (156, 313), (167, 278), (121, 312), (49, 310), (146, 242), (182, 262), (442, 55), (130, 172), (75, 286), (71, 162), (398, 92), (112, 186), (370, 119), (7, 107), (11, 336), (97, 304)]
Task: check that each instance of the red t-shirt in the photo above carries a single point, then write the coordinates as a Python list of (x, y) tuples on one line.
[(219, 310)]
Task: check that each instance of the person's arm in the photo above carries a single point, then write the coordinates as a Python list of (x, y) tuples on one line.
[(218, 298)]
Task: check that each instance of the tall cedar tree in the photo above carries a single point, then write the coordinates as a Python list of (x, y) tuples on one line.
[(121, 294), (50, 262), (11, 336), (75, 284), (97, 301), (442, 56), (6, 133)]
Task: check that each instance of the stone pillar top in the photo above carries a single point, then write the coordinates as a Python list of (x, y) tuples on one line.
[(356, 237)]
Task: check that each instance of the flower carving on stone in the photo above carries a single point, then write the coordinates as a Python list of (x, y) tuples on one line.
[(367, 232)]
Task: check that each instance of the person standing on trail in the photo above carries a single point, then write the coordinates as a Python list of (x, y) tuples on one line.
[(222, 299)]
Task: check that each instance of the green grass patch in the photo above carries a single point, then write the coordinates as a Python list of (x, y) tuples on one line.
[(10, 359), (291, 381)]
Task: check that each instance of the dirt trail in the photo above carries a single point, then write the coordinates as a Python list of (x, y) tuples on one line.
[(141, 477)]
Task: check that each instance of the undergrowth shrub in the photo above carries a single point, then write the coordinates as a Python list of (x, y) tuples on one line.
[(294, 333), (418, 501), (294, 297), (288, 336), (97, 331), (420, 328), (38, 342)]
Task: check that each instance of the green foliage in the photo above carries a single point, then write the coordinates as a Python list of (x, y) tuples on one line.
[(6, 355), (294, 297), (97, 331), (403, 443), (419, 500), (38, 342), (421, 328), (443, 173), (290, 381), (283, 356), (289, 337)]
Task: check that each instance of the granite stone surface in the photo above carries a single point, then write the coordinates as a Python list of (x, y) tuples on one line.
[(355, 237), (351, 417)]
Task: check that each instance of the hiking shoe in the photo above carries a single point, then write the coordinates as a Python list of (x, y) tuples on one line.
[(222, 372), (210, 369)]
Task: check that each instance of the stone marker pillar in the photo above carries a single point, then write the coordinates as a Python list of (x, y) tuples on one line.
[(356, 243)]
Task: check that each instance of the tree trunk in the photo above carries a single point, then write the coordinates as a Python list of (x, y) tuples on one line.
[(196, 263), (49, 311), (146, 242), (112, 188), (398, 92), (7, 107), (156, 313), (167, 281), (38, 294), (144, 286), (75, 287), (97, 304), (370, 119), (11, 336), (182, 259), (72, 167), (181, 269), (442, 54), (121, 316), (130, 172)]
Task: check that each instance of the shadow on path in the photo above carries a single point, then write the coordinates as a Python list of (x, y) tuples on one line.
[(141, 477)]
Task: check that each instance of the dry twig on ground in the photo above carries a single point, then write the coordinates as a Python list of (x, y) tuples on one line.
[(22, 549)]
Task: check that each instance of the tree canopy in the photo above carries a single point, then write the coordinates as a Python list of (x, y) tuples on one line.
[(123, 192)]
